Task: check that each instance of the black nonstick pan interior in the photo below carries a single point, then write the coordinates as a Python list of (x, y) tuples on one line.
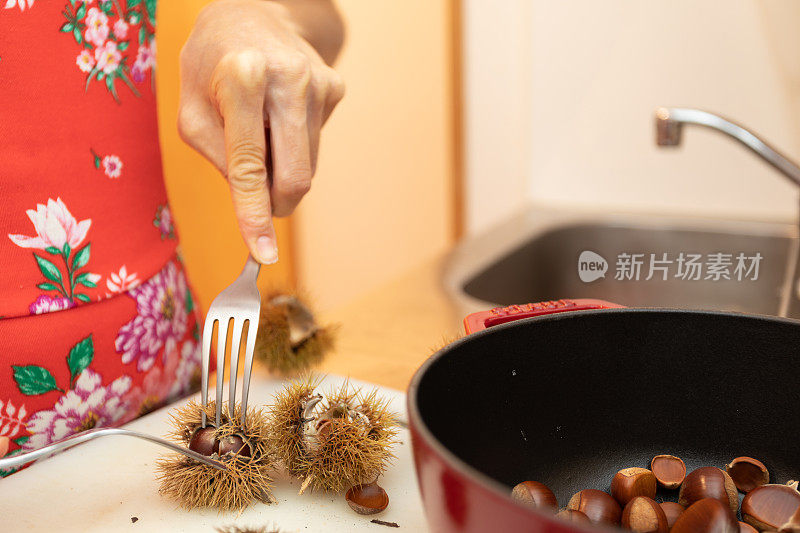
[(570, 399)]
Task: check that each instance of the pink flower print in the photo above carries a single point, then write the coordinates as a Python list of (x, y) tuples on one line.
[(155, 389), (22, 4), (122, 281), (188, 373), (85, 61), (87, 406), (96, 27), (54, 225), (163, 221), (12, 420), (138, 72), (112, 166), (48, 304), (120, 29), (145, 60), (108, 57), (161, 320)]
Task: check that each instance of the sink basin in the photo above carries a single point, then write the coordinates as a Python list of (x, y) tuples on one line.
[(536, 257)]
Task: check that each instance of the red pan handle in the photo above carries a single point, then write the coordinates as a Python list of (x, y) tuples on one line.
[(501, 315)]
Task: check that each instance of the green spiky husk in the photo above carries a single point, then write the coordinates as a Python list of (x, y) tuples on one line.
[(273, 348), (347, 453), (193, 484)]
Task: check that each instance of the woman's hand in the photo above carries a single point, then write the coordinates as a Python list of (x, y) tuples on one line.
[(254, 96)]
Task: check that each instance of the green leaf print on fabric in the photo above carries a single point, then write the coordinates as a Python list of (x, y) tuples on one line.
[(105, 32), (80, 357), (81, 257), (49, 270), (33, 380), (189, 301)]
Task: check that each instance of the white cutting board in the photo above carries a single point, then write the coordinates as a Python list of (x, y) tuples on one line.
[(99, 486)]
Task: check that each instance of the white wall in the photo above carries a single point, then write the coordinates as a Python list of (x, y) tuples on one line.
[(595, 71)]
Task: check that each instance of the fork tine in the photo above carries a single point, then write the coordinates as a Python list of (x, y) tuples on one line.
[(222, 341), (252, 328), (235, 341), (208, 329)]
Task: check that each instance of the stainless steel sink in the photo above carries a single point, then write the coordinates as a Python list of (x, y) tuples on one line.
[(535, 257)]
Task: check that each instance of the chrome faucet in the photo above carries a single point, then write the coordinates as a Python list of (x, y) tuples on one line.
[(669, 127)]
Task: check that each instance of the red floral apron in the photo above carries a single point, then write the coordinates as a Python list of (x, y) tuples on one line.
[(96, 315)]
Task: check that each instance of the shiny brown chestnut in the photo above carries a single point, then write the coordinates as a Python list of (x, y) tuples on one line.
[(369, 498), (571, 515), (709, 482), (746, 528), (534, 494), (629, 483), (769, 507), (708, 515), (234, 444), (597, 505), (670, 471), (203, 441), (747, 473), (644, 515), (672, 511)]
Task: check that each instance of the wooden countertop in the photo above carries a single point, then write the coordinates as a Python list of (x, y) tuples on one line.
[(386, 334)]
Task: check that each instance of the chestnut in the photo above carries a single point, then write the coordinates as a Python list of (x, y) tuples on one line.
[(793, 525), (234, 444), (644, 515), (598, 506), (204, 441), (708, 515), (629, 483), (709, 482), (571, 515), (747, 473), (746, 528), (534, 494), (369, 498), (770, 506), (669, 470), (672, 511)]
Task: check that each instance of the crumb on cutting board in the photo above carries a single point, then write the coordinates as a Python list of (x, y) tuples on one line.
[(384, 523)]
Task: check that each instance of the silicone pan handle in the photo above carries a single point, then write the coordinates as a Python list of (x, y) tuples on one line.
[(501, 315)]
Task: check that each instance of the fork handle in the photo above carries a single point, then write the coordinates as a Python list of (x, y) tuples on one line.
[(16, 461), (251, 267)]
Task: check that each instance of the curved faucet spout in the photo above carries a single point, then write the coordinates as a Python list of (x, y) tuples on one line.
[(669, 125)]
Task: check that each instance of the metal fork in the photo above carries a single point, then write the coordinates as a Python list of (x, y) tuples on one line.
[(240, 302), (14, 461)]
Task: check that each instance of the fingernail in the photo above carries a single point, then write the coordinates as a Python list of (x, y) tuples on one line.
[(267, 251)]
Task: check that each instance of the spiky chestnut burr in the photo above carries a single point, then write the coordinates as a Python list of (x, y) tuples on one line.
[(244, 450), (289, 339), (331, 442)]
